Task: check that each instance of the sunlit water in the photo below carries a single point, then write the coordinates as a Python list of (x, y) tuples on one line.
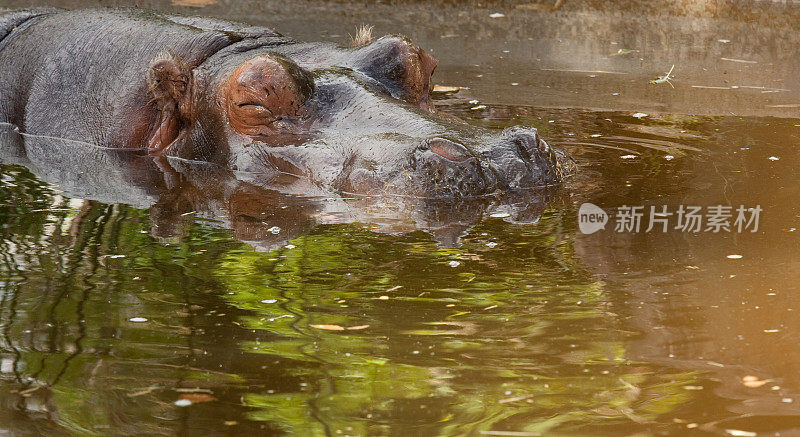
[(109, 327)]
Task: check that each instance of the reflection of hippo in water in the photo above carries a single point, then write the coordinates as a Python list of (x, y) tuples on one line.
[(267, 107), (177, 191)]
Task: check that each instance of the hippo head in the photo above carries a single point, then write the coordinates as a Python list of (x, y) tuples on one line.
[(357, 120)]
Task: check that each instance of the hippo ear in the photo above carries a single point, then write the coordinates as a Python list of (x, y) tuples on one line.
[(402, 67), (169, 85)]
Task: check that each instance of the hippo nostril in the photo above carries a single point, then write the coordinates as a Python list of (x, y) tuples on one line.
[(447, 149), (522, 150), (526, 141)]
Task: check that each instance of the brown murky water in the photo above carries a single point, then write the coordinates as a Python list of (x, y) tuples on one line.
[(117, 318)]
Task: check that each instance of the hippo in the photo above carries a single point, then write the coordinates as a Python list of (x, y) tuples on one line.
[(273, 110)]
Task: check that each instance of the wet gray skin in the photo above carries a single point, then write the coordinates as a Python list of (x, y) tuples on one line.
[(362, 141), (357, 130)]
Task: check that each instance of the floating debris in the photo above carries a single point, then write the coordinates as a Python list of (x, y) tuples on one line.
[(137, 319), (196, 398), (669, 157), (447, 89), (454, 263), (623, 52), (627, 156), (500, 215), (561, 70), (512, 433), (339, 328), (290, 246), (514, 399), (741, 61), (639, 115), (146, 391), (193, 390), (491, 244), (496, 15), (724, 41), (275, 230), (734, 256), (328, 327), (740, 433), (751, 381), (475, 108), (773, 158), (709, 87), (194, 3), (665, 78), (182, 403), (269, 300)]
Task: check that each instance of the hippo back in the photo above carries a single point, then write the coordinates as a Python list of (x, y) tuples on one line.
[(81, 75)]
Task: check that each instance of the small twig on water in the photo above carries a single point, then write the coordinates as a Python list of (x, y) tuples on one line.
[(662, 79)]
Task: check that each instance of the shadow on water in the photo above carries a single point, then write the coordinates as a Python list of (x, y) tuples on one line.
[(149, 297)]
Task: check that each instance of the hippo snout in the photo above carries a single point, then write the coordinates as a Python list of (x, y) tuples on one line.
[(522, 160), (517, 159)]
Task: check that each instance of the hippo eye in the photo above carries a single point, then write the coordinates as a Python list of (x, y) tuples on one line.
[(266, 95)]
